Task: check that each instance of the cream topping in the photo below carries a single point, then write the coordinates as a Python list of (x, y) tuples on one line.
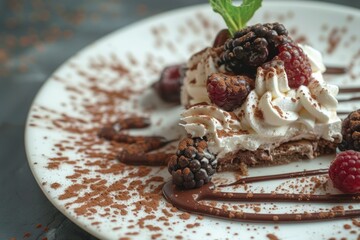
[(200, 66), (315, 58), (273, 113)]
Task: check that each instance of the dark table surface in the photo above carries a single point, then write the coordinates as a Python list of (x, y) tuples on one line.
[(36, 36)]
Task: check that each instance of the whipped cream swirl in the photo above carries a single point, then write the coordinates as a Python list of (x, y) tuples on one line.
[(272, 114), (200, 66)]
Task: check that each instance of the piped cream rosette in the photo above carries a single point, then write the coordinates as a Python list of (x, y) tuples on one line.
[(272, 107)]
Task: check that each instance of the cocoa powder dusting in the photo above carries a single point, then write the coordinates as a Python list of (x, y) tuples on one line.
[(89, 191), (271, 236), (278, 109), (192, 225), (55, 185), (334, 39), (184, 216), (259, 114), (347, 226)]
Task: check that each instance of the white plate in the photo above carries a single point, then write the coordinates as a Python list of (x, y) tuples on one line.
[(59, 157)]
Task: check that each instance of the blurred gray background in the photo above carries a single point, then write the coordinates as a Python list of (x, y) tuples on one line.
[(36, 36)]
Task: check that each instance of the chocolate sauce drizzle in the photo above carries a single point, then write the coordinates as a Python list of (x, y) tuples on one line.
[(277, 176), (350, 99), (190, 200), (136, 150), (335, 70), (349, 90)]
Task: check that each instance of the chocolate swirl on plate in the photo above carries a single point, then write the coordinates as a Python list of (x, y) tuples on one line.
[(191, 200), (136, 150)]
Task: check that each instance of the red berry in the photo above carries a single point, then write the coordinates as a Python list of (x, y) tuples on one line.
[(344, 171), (221, 38), (227, 91), (170, 83), (297, 65)]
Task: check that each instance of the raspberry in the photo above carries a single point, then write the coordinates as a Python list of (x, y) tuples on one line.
[(297, 65), (227, 91), (169, 84), (253, 46), (344, 171), (351, 132), (193, 165)]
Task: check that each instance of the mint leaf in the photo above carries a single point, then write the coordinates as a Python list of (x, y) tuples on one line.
[(235, 17)]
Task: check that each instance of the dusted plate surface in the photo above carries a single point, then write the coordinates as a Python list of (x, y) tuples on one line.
[(111, 78)]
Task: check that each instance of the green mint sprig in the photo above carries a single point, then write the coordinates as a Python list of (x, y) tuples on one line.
[(235, 17)]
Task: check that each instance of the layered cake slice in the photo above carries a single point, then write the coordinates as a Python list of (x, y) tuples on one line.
[(255, 98)]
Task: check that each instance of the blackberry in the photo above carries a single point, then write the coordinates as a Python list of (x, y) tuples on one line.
[(253, 46), (193, 165), (351, 132)]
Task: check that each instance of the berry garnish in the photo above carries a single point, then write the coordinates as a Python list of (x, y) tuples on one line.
[(193, 165), (297, 65), (253, 46), (227, 91), (221, 38), (345, 171), (170, 82), (351, 132)]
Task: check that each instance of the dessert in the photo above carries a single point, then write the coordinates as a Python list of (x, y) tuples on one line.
[(254, 98), (257, 98)]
